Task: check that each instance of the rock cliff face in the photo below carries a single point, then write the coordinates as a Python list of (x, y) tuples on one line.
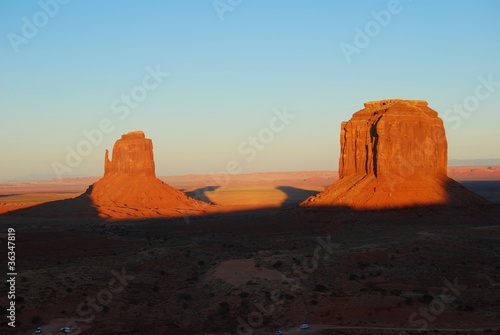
[(389, 136), (130, 188), (393, 154), (132, 154)]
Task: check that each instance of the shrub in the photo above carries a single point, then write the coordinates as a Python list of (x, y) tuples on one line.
[(224, 308), (278, 264), (469, 308), (185, 296), (363, 264), (396, 292), (320, 288), (426, 299)]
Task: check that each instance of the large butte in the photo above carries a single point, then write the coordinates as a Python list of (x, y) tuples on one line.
[(393, 154)]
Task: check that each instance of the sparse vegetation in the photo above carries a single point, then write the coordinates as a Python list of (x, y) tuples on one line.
[(363, 265), (36, 319), (185, 296), (396, 292), (278, 264), (320, 288), (224, 308), (426, 299)]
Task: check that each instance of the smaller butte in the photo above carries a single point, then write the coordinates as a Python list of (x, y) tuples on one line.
[(129, 187)]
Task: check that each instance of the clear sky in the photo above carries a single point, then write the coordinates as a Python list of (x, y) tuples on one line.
[(67, 67)]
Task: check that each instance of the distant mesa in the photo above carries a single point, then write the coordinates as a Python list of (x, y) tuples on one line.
[(130, 188), (393, 154)]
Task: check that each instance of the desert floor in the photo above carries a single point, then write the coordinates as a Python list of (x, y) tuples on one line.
[(259, 265)]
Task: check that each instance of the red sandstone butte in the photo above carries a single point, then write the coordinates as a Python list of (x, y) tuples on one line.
[(132, 154), (393, 154), (130, 188)]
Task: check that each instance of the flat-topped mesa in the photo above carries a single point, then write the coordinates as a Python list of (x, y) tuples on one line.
[(389, 136), (393, 154), (132, 154), (387, 102)]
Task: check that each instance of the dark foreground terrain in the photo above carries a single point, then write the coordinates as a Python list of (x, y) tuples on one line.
[(257, 271)]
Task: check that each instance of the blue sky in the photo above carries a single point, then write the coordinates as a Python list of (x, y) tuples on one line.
[(231, 65)]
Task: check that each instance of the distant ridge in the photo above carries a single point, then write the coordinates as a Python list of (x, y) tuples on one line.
[(50, 177), (474, 162)]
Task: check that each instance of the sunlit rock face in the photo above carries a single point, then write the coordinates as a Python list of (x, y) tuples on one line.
[(132, 154), (130, 188), (389, 136), (393, 154)]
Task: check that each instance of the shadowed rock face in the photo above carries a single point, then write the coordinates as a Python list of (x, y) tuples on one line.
[(393, 154)]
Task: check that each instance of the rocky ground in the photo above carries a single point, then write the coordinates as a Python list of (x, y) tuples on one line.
[(260, 271)]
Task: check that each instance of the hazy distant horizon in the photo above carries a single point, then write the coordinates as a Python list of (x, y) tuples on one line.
[(451, 163)]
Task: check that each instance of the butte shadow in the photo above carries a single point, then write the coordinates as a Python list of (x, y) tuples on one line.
[(128, 189), (79, 207), (394, 155), (201, 193), (294, 195)]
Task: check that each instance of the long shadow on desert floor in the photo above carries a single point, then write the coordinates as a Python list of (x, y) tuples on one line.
[(489, 189), (79, 207), (7, 195), (295, 195), (201, 193)]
